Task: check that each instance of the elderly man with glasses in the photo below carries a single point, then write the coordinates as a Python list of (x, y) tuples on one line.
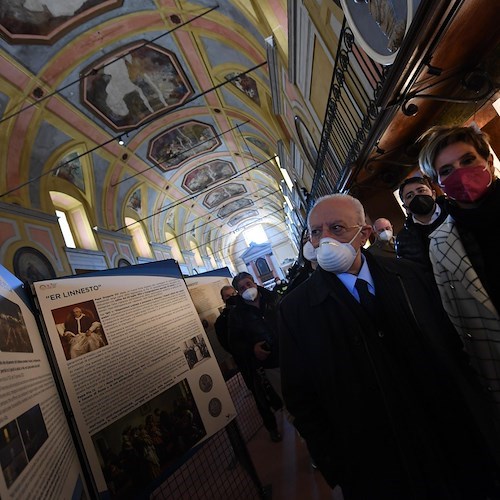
[(374, 376)]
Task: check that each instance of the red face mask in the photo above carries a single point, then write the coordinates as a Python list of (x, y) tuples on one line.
[(467, 184)]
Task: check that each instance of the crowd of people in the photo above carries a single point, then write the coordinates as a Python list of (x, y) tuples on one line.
[(388, 359), (151, 446)]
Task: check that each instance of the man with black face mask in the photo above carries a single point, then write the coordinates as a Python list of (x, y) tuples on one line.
[(426, 212)]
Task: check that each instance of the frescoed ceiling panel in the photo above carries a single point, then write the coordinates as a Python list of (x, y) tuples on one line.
[(131, 86), (234, 206), (44, 21), (199, 43), (181, 143), (222, 194)]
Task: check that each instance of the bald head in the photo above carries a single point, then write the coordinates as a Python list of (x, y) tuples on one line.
[(352, 205), (382, 225)]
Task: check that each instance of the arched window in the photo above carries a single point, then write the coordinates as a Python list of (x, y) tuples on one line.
[(73, 221), (141, 244)]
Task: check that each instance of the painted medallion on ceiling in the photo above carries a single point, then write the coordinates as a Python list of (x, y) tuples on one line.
[(233, 206), (70, 169), (178, 144), (135, 200), (134, 84), (44, 21), (243, 215), (246, 84), (210, 173), (223, 193)]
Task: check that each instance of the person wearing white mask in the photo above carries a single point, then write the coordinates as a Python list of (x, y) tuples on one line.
[(253, 338), (384, 238), (374, 376), (307, 263)]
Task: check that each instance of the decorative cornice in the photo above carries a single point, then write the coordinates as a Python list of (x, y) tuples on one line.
[(12, 209), (112, 234)]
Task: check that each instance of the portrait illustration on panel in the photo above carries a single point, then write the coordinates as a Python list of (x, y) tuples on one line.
[(243, 215), (202, 177), (232, 206), (79, 328), (70, 169), (246, 84), (44, 21), (134, 84), (223, 193), (181, 143)]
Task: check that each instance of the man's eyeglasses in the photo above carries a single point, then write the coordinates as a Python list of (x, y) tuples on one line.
[(335, 229)]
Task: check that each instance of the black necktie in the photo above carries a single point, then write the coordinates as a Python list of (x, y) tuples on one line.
[(366, 299)]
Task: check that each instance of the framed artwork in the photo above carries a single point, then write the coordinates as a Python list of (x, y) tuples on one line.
[(218, 195), (43, 21), (133, 84), (31, 265), (306, 141), (379, 26), (182, 143), (210, 173)]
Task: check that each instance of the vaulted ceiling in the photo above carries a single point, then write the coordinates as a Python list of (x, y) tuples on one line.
[(157, 110)]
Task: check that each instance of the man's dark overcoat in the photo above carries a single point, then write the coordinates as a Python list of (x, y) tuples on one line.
[(376, 398)]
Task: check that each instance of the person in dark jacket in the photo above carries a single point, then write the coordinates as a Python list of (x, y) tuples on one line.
[(306, 263), (253, 342), (384, 239), (426, 212), (374, 375), (228, 294)]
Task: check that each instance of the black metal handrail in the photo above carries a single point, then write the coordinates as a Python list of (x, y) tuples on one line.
[(351, 111)]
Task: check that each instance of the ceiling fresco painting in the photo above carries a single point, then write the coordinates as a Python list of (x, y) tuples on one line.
[(134, 201), (202, 177), (166, 103), (242, 216), (233, 206), (223, 193), (246, 84), (260, 144), (43, 21), (134, 84), (179, 144), (70, 169)]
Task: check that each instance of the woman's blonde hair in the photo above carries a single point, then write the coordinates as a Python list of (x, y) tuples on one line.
[(439, 137)]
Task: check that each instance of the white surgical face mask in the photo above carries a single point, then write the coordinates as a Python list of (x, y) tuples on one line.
[(334, 256), (250, 294), (309, 252), (385, 235)]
